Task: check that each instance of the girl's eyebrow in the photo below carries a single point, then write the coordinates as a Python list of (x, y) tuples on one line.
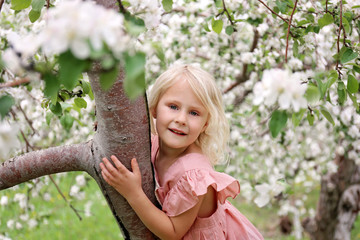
[(192, 106)]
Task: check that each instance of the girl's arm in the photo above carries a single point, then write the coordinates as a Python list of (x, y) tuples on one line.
[(128, 184)]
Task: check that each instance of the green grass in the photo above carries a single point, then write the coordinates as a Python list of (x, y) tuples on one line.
[(62, 222), (58, 221)]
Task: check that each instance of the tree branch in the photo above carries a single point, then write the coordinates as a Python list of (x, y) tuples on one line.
[(44, 162), (288, 31), (14, 83)]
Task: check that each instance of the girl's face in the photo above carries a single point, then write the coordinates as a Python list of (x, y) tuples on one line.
[(180, 117)]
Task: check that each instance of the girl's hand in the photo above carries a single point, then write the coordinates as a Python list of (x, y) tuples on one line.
[(127, 183)]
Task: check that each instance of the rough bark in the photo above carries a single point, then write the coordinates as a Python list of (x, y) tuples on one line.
[(338, 203), (122, 130)]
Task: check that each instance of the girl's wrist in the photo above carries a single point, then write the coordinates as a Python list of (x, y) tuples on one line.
[(134, 196)]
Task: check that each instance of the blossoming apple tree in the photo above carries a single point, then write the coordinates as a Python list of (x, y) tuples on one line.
[(289, 71)]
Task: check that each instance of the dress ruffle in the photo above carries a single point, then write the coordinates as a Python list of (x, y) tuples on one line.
[(194, 183)]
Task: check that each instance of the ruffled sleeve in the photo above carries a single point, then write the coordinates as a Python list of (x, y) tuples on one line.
[(194, 183)]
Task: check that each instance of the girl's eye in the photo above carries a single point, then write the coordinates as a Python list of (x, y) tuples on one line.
[(194, 113), (174, 107)]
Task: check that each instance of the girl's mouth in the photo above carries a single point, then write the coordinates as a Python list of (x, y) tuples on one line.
[(178, 132)]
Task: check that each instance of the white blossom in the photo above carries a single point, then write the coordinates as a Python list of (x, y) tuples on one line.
[(80, 180), (280, 86), (8, 138), (4, 201)]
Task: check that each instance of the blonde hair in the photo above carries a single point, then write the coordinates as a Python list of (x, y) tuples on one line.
[(213, 140)]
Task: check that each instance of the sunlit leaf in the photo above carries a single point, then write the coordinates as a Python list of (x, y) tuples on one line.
[(327, 115), (167, 5), (325, 20), (18, 5), (352, 84), (217, 25), (348, 55), (277, 122)]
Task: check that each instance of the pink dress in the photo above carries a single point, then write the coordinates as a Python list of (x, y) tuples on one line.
[(188, 178)]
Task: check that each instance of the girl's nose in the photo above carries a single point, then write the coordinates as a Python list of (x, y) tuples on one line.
[(181, 118)]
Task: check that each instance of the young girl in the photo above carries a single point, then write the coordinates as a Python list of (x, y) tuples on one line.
[(189, 136)]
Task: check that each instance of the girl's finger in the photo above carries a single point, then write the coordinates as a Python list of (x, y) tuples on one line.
[(109, 166), (135, 167), (118, 164)]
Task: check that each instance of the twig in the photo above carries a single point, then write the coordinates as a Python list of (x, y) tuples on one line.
[(326, 8), (14, 83), (27, 119), (355, 18), (227, 13), (338, 39), (121, 7), (28, 145), (285, 20), (70, 205), (47, 4), (288, 31)]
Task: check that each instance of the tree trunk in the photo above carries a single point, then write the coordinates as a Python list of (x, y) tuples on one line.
[(122, 130), (338, 205)]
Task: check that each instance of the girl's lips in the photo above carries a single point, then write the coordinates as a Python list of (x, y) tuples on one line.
[(178, 132)]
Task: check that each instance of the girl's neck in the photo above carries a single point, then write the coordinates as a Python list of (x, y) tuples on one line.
[(172, 154)]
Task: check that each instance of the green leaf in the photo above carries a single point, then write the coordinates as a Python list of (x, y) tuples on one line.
[(296, 117), (167, 5), (352, 84), (37, 4), (296, 48), (80, 102), (134, 83), (325, 20), (52, 86), (327, 115), (310, 117), (134, 25), (282, 5), (71, 69), (348, 55), (277, 122), (108, 77), (217, 25), (229, 30), (341, 91), (6, 103), (49, 116), (67, 121), (346, 25), (86, 87), (34, 15), (354, 100), (312, 94), (206, 27), (18, 5), (56, 109)]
